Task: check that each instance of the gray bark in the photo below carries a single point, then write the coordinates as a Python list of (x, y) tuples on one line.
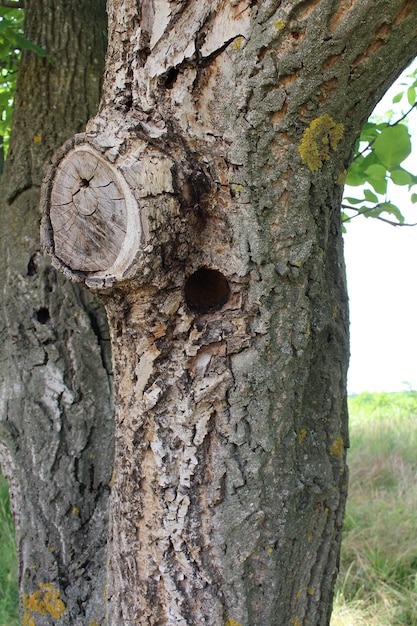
[(56, 427)]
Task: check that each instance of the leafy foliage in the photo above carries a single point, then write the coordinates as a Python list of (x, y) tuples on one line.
[(11, 29), (382, 147), (12, 42)]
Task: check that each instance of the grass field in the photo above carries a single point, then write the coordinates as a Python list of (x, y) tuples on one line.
[(8, 562), (377, 584)]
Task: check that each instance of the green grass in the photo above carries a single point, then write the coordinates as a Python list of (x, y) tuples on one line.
[(377, 584), (8, 562)]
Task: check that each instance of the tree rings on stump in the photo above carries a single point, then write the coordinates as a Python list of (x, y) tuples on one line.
[(91, 214)]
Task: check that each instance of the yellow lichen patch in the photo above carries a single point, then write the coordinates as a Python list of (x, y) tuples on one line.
[(231, 622), (310, 591), (335, 311), (93, 622), (323, 135), (336, 449), (37, 138), (237, 43), (302, 435), (45, 600), (75, 510), (28, 620), (279, 24), (310, 537), (295, 621)]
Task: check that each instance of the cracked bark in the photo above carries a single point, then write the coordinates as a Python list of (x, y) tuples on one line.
[(228, 312)]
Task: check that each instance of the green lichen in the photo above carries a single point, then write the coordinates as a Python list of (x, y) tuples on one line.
[(323, 135)]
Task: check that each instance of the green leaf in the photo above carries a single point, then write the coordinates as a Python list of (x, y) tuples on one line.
[(414, 198), (377, 176), (369, 132), (393, 145), (401, 177), (380, 186), (370, 196), (388, 207), (25, 44), (398, 97), (376, 171), (354, 177), (354, 200), (411, 96)]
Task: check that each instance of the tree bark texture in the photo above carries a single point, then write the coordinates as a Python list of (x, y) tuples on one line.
[(203, 204), (56, 427)]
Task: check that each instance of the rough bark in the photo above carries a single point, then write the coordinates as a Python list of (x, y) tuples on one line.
[(225, 292), (56, 427)]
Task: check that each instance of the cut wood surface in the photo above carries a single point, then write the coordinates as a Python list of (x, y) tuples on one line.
[(88, 212), (92, 226)]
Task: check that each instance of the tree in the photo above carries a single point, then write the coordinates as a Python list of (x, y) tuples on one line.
[(202, 204)]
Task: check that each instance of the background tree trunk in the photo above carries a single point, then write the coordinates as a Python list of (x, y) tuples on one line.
[(56, 426)]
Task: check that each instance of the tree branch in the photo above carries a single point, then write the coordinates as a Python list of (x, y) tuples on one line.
[(11, 4), (377, 217)]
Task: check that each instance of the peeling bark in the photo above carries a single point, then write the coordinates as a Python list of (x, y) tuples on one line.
[(226, 294), (229, 321)]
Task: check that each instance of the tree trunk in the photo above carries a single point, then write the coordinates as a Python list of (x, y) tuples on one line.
[(56, 425), (203, 205)]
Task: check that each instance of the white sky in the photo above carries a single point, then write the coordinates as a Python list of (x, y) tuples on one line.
[(381, 263)]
